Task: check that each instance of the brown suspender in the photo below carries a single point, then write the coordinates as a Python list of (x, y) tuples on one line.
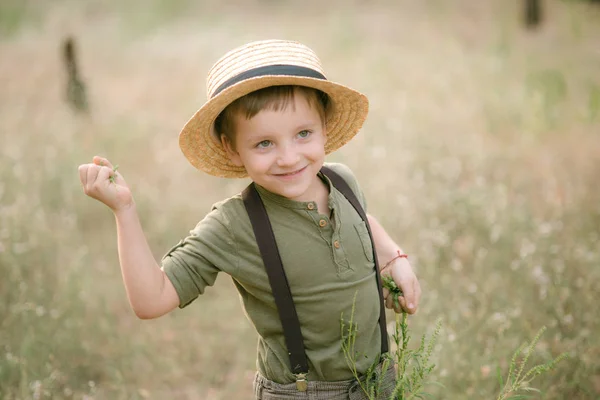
[(278, 281), (279, 284)]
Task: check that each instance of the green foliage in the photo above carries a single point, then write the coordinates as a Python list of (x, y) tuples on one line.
[(412, 366), (113, 177), (13, 15), (517, 381), (395, 291)]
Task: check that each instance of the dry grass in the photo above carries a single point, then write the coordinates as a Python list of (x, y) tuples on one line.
[(488, 136)]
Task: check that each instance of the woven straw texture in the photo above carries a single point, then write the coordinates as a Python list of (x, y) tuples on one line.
[(198, 140)]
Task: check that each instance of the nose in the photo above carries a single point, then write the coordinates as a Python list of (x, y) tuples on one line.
[(288, 156)]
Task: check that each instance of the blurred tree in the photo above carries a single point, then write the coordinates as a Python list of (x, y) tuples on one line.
[(76, 96), (533, 13)]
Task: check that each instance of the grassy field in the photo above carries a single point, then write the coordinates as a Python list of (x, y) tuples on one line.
[(481, 156)]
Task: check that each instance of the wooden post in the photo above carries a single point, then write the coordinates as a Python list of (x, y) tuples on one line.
[(533, 13), (75, 93)]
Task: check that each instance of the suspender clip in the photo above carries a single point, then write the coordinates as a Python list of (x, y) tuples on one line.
[(301, 383)]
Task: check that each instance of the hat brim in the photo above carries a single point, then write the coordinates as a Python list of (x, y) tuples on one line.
[(201, 146)]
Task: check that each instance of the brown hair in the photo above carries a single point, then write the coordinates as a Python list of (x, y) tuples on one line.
[(273, 98)]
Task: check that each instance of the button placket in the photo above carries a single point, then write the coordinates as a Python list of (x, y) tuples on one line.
[(338, 253), (337, 247), (336, 244)]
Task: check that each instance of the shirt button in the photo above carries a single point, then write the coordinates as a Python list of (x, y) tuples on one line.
[(311, 206), (322, 223), (336, 244)]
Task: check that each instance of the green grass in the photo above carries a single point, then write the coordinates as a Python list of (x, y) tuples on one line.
[(488, 136), (413, 366), (518, 381), (13, 15)]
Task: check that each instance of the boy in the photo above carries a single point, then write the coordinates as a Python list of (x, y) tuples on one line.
[(273, 116)]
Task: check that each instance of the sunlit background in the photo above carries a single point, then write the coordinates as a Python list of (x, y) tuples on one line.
[(481, 156)]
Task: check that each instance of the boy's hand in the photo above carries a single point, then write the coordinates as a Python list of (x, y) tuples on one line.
[(102, 182), (404, 277)]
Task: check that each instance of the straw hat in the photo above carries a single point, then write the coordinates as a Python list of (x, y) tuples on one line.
[(255, 66)]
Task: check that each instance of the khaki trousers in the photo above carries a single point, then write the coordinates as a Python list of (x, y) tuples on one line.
[(265, 389)]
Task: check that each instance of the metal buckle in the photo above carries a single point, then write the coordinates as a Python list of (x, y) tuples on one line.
[(301, 383)]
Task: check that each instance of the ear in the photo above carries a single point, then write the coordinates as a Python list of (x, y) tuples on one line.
[(233, 155)]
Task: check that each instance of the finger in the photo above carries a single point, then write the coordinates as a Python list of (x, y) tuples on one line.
[(83, 173), (102, 162), (119, 180), (398, 309), (403, 307), (409, 298), (389, 302), (103, 176), (92, 174), (417, 287), (386, 292)]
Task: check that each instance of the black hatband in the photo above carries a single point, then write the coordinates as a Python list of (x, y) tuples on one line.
[(280, 70)]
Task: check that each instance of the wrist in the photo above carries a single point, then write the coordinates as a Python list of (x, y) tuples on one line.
[(399, 255), (125, 210)]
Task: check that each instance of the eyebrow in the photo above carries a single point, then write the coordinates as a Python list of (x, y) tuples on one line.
[(307, 125)]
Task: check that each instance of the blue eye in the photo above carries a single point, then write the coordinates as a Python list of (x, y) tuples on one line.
[(264, 144), (303, 134)]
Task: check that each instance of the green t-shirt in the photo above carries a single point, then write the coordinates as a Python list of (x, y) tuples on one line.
[(327, 261)]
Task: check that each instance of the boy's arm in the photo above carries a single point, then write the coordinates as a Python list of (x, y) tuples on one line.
[(150, 292), (400, 269)]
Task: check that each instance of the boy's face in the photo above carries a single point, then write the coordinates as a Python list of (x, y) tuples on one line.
[(283, 150)]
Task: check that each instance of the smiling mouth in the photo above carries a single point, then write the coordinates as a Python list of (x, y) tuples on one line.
[(296, 172)]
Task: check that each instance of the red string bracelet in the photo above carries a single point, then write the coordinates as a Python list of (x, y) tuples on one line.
[(400, 255)]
